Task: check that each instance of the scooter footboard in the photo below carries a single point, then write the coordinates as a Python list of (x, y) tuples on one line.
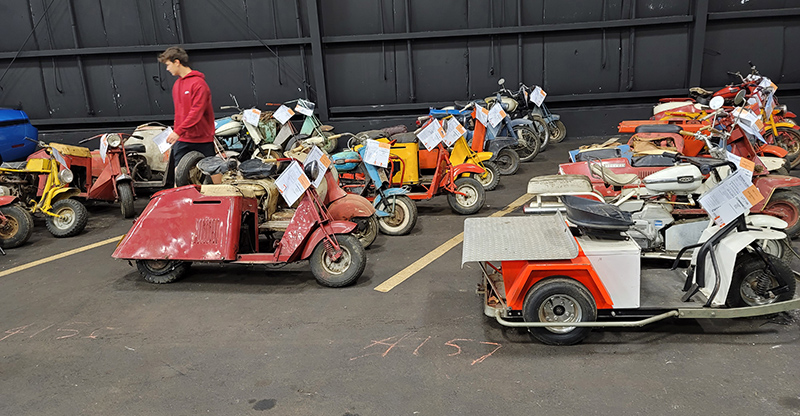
[(183, 224)]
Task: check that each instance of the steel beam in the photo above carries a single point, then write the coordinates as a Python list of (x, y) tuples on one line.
[(317, 59), (511, 30), (698, 42), (110, 50), (755, 14)]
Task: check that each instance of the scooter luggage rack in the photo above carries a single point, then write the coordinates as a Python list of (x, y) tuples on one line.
[(518, 238)]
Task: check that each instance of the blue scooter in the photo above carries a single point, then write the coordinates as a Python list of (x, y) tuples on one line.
[(397, 213)]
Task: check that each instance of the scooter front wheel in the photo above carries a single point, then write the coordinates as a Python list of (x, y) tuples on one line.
[(752, 280), (402, 215), (340, 272), (490, 178), (472, 199), (162, 271), (71, 220), (125, 194)]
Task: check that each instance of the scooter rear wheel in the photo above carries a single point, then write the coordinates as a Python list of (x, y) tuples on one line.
[(507, 161), (369, 233), (18, 227), (559, 300), (343, 271)]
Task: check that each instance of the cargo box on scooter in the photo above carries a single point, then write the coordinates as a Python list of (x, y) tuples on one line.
[(410, 154)]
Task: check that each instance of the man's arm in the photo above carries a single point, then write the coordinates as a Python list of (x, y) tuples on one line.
[(200, 95)]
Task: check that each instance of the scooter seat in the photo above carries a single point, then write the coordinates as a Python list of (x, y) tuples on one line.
[(611, 178), (136, 147), (593, 214), (408, 137), (647, 161), (559, 184), (659, 128)]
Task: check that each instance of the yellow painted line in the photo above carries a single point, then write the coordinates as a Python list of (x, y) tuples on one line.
[(429, 258), (59, 256)]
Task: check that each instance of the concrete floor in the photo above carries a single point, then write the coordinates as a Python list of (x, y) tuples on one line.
[(86, 335)]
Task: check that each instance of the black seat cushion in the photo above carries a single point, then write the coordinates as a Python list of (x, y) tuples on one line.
[(409, 137), (659, 128), (595, 214), (136, 147), (652, 161)]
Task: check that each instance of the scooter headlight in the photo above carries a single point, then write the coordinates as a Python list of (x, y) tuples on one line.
[(66, 176), (114, 140), (782, 109)]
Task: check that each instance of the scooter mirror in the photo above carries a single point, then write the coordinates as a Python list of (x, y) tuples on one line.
[(716, 103), (312, 171), (739, 98), (501, 81)]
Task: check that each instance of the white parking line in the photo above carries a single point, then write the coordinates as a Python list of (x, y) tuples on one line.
[(429, 258), (59, 256)]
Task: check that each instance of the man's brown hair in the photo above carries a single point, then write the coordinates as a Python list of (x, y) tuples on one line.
[(174, 53)]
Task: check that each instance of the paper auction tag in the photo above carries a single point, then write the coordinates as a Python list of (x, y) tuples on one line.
[(431, 135), (482, 114), (538, 95), (454, 131), (305, 107), (377, 153), (161, 140), (292, 183), (315, 155), (496, 114), (731, 197), (103, 146), (252, 116), (283, 114)]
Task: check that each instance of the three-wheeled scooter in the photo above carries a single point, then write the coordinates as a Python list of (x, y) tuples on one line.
[(560, 282), (241, 222)]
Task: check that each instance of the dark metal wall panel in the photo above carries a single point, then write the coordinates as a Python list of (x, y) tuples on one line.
[(730, 45), (662, 59), (380, 57)]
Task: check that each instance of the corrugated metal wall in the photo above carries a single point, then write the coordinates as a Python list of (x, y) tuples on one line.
[(71, 63)]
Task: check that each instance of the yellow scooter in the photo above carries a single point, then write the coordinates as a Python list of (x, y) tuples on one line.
[(65, 216), (417, 158)]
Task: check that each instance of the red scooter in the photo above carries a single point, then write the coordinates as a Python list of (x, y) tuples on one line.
[(241, 223), (97, 179)]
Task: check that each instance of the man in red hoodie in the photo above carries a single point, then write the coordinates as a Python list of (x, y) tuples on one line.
[(194, 114)]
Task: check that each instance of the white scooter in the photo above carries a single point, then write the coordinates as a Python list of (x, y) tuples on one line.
[(537, 274)]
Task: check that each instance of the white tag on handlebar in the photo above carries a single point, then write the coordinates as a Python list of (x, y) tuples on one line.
[(103, 146), (283, 114), (538, 95), (251, 116)]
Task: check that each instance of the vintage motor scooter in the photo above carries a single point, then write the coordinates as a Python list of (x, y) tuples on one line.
[(396, 212), (241, 223), (558, 282), (413, 167), (42, 186)]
